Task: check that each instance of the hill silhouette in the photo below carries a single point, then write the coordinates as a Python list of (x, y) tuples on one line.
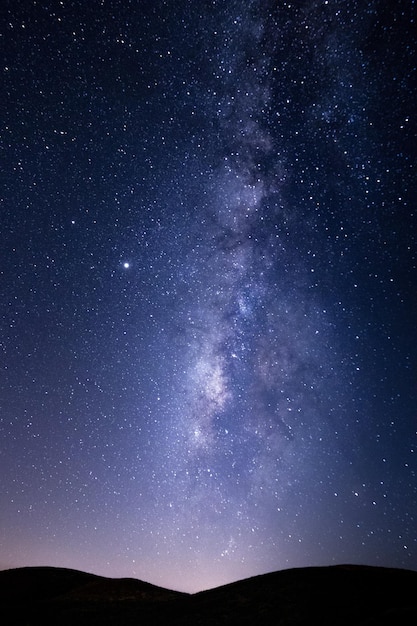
[(343, 594)]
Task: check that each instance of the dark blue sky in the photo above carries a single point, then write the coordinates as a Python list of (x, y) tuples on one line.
[(208, 287)]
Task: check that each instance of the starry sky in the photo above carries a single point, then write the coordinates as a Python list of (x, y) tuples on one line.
[(207, 286)]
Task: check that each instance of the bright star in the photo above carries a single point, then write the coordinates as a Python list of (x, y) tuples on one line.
[(126, 265)]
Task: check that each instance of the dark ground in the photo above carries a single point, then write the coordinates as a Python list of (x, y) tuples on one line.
[(344, 594)]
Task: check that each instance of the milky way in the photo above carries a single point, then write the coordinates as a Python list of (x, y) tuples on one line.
[(208, 277)]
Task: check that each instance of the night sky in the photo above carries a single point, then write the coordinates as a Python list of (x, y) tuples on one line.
[(208, 286)]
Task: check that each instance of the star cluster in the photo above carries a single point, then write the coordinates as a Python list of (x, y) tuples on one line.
[(208, 271)]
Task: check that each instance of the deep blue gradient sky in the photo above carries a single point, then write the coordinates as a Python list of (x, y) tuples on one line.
[(208, 286)]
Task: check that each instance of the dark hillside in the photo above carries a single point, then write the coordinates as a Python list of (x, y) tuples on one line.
[(344, 595)]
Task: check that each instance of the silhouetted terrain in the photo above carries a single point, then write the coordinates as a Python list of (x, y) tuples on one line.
[(342, 595)]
